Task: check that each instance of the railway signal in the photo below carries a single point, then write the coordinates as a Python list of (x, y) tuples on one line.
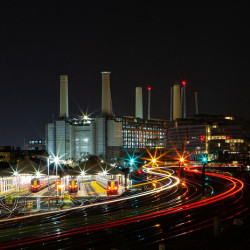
[(181, 162), (204, 163)]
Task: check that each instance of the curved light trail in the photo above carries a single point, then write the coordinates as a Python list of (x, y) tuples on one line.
[(235, 186), (165, 175)]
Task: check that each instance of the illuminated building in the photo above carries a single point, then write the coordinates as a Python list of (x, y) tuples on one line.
[(222, 137), (35, 145), (191, 138), (105, 135), (102, 136), (139, 133)]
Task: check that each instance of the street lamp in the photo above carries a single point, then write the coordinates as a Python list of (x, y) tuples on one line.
[(204, 162), (181, 161), (16, 175), (48, 171), (56, 161)]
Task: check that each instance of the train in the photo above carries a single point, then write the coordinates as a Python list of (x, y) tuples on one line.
[(112, 187), (73, 186), (38, 184)]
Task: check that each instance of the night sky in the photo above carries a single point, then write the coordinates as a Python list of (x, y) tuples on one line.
[(141, 44)]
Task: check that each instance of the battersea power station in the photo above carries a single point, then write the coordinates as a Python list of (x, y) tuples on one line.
[(221, 136), (105, 135)]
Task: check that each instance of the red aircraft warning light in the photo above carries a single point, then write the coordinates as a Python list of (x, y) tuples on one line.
[(184, 83), (149, 88)]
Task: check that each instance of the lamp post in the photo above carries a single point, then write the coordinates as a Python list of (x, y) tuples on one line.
[(181, 161), (56, 161), (16, 175), (154, 162), (48, 171), (204, 162)]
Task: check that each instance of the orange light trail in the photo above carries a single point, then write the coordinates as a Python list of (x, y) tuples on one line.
[(237, 187)]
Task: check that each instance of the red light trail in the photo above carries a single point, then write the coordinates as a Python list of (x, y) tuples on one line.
[(237, 186)]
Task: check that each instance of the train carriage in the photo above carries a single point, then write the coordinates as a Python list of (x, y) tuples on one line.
[(112, 187), (73, 186), (35, 185), (38, 184)]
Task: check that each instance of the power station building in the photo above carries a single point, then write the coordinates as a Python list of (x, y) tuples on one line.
[(106, 135), (75, 138)]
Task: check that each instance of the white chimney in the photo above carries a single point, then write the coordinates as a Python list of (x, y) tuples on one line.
[(64, 104), (138, 103), (106, 93), (176, 102)]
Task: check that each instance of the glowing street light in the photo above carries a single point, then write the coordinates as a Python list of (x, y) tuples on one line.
[(15, 173), (154, 159), (181, 158), (38, 174), (181, 162), (48, 171), (131, 160), (204, 159), (56, 161)]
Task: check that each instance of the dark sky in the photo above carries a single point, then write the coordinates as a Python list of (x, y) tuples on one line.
[(140, 43)]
